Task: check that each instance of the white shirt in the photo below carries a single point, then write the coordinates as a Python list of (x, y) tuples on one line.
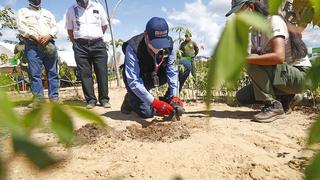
[(90, 21), (36, 22)]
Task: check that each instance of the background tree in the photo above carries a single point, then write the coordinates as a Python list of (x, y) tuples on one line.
[(7, 19)]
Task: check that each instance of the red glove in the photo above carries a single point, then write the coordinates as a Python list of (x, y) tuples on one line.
[(162, 107), (176, 101)]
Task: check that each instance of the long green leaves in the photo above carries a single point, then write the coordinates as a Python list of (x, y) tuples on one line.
[(33, 152), (88, 115), (8, 117), (229, 56), (312, 171), (19, 128), (314, 136), (274, 6), (313, 78), (61, 124)]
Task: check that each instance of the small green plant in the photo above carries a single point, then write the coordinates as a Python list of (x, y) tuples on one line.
[(19, 129)]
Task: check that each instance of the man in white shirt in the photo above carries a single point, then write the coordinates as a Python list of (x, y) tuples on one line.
[(38, 28), (86, 23)]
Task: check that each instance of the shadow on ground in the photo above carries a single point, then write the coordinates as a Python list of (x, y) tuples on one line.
[(222, 114)]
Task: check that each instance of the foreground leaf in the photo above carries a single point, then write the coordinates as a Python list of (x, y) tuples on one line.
[(313, 170), (314, 135), (32, 119), (88, 115), (61, 124), (8, 118), (274, 6), (33, 152), (316, 6), (228, 58), (2, 171), (313, 78)]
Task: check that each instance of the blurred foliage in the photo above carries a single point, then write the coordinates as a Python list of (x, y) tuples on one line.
[(7, 19), (20, 128)]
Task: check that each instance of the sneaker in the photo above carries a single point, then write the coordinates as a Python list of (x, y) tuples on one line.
[(106, 105), (90, 105), (125, 107), (295, 101), (270, 112), (290, 101), (34, 104)]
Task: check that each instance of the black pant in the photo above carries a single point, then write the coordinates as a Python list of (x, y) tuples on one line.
[(88, 53)]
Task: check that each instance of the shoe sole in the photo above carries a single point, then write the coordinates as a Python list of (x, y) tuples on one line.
[(269, 120)]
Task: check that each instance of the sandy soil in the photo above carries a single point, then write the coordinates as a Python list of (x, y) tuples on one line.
[(221, 143)]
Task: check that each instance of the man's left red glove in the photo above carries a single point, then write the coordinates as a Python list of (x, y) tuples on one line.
[(176, 101)]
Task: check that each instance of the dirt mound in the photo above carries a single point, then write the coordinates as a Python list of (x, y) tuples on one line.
[(90, 133), (162, 132)]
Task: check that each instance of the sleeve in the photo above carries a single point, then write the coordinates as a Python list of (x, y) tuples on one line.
[(53, 26), (69, 19), (104, 20), (172, 74), (132, 72), (278, 26), (22, 24)]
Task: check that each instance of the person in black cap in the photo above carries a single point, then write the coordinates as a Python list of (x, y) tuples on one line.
[(86, 22), (149, 63)]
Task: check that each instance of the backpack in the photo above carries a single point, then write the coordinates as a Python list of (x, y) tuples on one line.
[(299, 49)]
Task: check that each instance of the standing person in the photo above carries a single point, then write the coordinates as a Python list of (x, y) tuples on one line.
[(38, 28), (86, 23), (189, 51), (149, 63), (273, 70)]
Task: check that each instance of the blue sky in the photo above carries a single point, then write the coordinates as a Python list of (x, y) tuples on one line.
[(205, 19)]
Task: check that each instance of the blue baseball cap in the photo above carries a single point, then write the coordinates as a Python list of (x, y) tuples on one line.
[(157, 29)]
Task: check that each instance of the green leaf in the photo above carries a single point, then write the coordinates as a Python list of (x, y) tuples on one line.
[(88, 115), (312, 172), (274, 6), (33, 118), (314, 136), (8, 117), (61, 124), (2, 171), (316, 6), (313, 78), (256, 21), (33, 152), (229, 55)]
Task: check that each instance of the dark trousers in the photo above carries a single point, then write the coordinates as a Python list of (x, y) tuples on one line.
[(90, 53)]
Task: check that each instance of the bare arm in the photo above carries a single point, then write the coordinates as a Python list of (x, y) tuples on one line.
[(70, 34), (277, 56), (104, 28)]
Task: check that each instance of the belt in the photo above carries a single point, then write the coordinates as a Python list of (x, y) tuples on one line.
[(87, 41)]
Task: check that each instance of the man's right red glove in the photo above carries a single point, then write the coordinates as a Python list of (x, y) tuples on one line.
[(162, 107)]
